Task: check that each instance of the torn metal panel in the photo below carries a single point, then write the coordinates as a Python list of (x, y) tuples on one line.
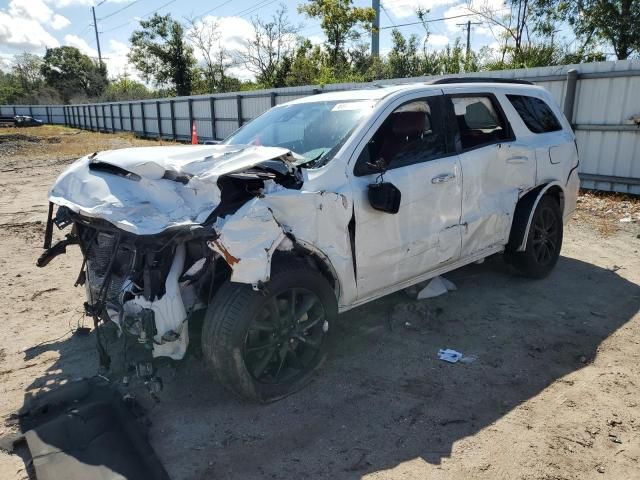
[(249, 237), (247, 240)]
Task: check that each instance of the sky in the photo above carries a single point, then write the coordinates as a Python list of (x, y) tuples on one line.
[(33, 25)]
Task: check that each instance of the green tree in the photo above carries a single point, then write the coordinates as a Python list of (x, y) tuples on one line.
[(10, 89), (340, 21), (213, 75), (616, 22), (71, 72), (272, 42), (304, 64), (536, 55), (160, 52), (27, 69), (123, 88), (404, 59)]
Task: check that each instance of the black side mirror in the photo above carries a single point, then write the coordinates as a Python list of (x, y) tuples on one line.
[(384, 196)]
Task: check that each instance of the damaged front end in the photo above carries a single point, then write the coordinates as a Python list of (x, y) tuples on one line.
[(146, 286), (152, 251)]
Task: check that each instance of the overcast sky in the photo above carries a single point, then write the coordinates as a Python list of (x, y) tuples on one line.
[(33, 25)]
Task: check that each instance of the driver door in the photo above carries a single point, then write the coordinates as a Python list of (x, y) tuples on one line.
[(412, 139)]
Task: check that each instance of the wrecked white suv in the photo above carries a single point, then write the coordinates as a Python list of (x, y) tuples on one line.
[(315, 207)]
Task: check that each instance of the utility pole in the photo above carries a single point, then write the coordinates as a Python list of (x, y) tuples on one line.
[(375, 34), (95, 26), (467, 27)]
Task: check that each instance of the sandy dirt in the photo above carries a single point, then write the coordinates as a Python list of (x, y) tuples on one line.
[(552, 391)]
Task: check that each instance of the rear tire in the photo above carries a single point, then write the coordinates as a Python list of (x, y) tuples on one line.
[(544, 241), (265, 345)]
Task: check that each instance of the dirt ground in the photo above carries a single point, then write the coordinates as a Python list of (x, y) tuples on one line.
[(552, 391)]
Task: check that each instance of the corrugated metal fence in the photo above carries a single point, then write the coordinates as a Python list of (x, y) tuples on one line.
[(602, 99)]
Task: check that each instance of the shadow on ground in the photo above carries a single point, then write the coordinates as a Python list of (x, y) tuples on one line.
[(383, 398)]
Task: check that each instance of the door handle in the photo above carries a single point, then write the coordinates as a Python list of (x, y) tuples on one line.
[(445, 177), (518, 159)]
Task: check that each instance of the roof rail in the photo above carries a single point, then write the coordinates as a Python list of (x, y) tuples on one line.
[(444, 81)]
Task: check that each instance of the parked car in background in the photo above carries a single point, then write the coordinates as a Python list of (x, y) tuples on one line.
[(27, 121), (315, 207), (19, 121)]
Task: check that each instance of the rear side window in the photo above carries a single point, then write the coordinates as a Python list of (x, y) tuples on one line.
[(479, 121), (535, 113)]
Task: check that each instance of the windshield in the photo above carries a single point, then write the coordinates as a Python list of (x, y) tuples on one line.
[(315, 131)]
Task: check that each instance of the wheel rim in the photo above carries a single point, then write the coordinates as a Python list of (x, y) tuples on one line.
[(545, 236), (284, 337)]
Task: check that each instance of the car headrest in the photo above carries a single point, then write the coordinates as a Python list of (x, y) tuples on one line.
[(479, 116), (407, 124)]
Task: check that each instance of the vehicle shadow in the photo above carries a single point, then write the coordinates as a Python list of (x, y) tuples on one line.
[(383, 397)]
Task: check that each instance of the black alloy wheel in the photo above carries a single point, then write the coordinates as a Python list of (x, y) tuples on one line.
[(285, 336), (264, 345), (544, 241), (545, 235)]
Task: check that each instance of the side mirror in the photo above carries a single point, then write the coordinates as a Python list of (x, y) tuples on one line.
[(385, 197)]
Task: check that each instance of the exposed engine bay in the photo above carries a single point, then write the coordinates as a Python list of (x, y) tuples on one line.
[(159, 235)]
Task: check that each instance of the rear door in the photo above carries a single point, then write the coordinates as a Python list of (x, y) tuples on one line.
[(495, 169), (412, 138)]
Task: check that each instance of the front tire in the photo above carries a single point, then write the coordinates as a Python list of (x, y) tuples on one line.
[(264, 345), (544, 241)]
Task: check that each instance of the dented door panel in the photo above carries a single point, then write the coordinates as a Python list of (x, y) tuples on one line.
[(491, 190), (423, 235)]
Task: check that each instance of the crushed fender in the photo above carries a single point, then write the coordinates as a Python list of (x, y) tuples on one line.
[(248, 238)]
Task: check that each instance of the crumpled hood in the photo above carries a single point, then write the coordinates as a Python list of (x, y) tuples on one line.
[(149, 189)]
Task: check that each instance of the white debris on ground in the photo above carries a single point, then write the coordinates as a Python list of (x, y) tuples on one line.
[(449, 355), (436, 287), (453, 356)]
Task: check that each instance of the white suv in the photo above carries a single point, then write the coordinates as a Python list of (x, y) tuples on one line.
[(313, 208)]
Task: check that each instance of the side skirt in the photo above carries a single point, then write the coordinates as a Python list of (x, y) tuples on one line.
[(425, 276)]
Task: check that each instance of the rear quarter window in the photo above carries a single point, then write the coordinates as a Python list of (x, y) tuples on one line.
[(535, 113)]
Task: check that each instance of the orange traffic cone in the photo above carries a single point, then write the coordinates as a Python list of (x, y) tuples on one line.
[(194, 134)]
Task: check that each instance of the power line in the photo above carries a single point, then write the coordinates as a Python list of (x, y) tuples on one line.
[(159, 8), (387, 14), (117, 27), (214, 8), (254, 8), (120, 10), (429, 21), (142, 16)]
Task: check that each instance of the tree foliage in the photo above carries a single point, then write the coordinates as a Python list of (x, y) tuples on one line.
[(273, 40), (72, 73), (341, 23), (403, 59), (163, 51), (123, 88), (27, 69), (160, 52), (615, 22), (213, 75)]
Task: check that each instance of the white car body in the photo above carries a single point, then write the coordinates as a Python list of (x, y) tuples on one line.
[(454, 210)]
